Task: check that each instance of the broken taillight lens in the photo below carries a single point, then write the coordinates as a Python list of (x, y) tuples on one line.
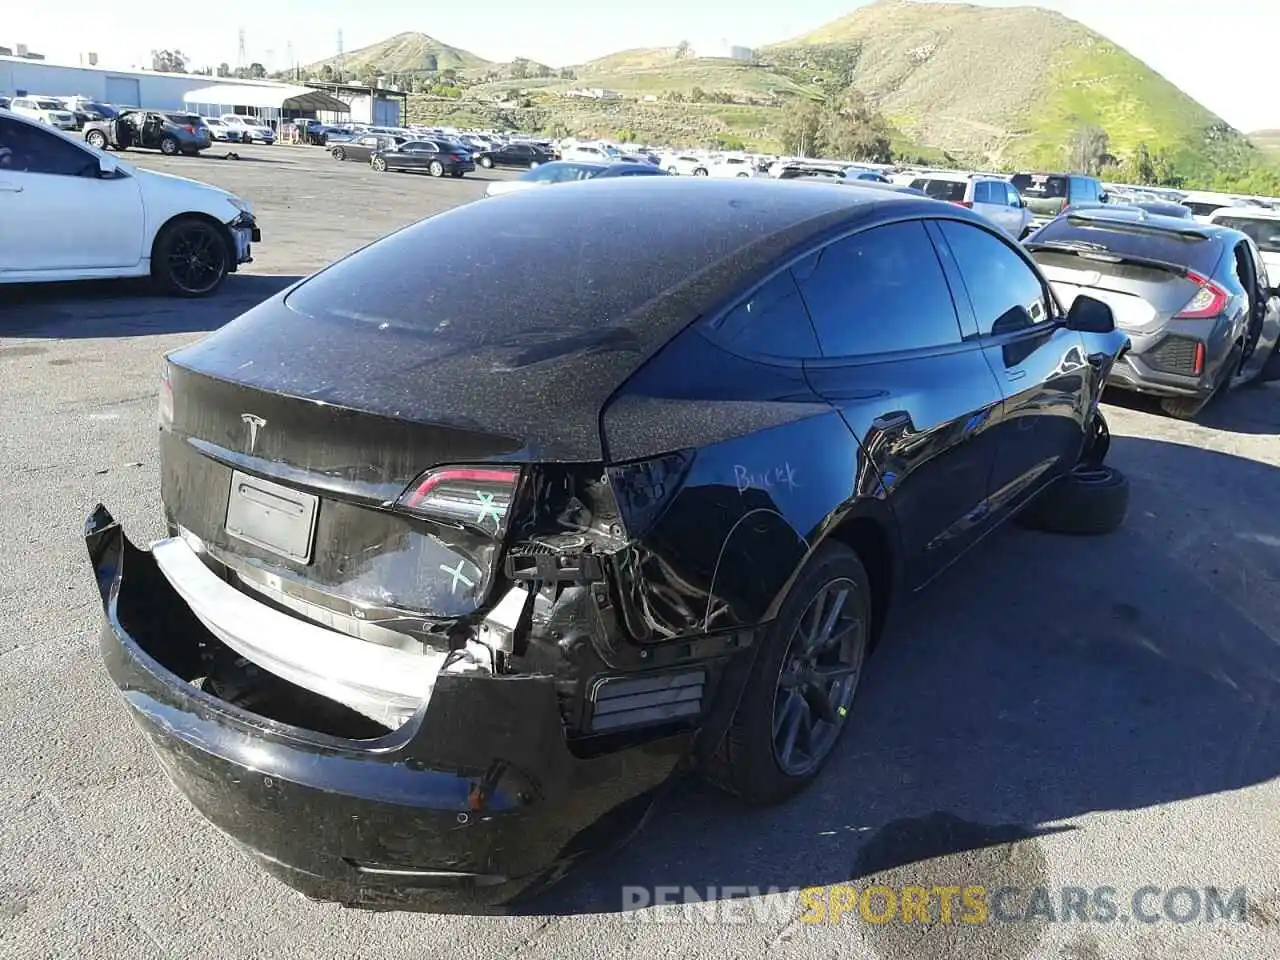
[(476, 497), (166, 399)]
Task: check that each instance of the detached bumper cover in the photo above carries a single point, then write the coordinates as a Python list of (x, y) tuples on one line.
[(466, 805)]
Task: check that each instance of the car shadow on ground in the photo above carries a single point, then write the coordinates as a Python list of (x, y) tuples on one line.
[(1251, 408), (126, 308), (1040, 680)]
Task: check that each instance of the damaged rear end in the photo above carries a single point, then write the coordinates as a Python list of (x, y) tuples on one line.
[(383, 644)]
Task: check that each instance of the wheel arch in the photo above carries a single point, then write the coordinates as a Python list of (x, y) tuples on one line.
[(222, 228)]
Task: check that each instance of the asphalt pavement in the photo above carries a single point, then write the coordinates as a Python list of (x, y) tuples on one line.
[(1055, 713)]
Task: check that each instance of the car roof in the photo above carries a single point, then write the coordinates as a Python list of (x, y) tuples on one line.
[(1246, 213), (648, 256), (621, 166)]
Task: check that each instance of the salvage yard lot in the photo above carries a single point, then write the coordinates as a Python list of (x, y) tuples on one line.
[(1114, 703)]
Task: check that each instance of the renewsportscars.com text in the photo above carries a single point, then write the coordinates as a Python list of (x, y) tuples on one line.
[(959, 904)]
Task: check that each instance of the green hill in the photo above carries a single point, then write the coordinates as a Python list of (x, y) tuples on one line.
[(999, 87), (403, 53), (1268, 141)]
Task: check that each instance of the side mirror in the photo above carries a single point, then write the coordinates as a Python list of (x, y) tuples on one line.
[(1088, 315), (1104, 197)]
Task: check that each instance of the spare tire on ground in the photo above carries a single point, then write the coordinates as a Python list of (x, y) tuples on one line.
[(1092, 499)]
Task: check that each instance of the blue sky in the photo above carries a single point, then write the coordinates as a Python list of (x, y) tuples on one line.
[(1176, 37)]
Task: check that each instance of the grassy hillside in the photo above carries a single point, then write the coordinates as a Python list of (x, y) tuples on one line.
[(403, 53), (999, 87)]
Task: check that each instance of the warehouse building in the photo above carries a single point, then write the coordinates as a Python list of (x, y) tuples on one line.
[(331, 103)]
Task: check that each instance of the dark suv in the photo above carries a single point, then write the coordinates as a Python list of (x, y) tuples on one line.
[(1049, 194)]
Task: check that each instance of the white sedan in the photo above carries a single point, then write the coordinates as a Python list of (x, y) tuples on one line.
[(70, 212)]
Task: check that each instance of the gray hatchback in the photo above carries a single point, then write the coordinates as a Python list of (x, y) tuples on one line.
[(1194, 298)]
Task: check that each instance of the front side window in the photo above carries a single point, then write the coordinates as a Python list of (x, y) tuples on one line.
[(26, 149), (771, 322), (1006, 294), (879, 291)]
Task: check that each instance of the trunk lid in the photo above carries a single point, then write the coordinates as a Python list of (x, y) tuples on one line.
[(1143, 297), (1044, 193), (297, 498)]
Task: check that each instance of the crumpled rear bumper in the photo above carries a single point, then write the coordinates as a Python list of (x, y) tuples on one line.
[(473, 801)]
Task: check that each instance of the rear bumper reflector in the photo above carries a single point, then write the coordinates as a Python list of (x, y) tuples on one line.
[(382, 683), (619, 703)]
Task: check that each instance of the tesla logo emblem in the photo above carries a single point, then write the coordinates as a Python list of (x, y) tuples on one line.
[(254, 423)]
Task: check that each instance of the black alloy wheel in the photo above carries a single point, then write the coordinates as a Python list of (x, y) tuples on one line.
[(190, 258), (797, 698), (339, 153), (818, 678)]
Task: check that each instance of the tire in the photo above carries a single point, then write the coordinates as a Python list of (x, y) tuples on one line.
[(455, 173), (1091, 500), (172, 266), (338, 153), (700, 172), (169, 146), (743, 176), (436, 169), (750, 763), (673, 171), (1183, 408), (486, 162), (378, 165), (96, 139)]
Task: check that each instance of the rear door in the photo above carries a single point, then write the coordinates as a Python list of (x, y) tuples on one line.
[(919, 399), (1041, 366), (989, 199)]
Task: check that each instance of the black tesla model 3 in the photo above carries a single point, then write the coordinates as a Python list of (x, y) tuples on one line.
[(482, 533)]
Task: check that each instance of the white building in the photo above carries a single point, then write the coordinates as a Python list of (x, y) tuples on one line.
[(724, 50), (271, 99)]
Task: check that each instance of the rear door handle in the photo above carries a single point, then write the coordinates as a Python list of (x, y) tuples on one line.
[(891, 421), (9, 187)]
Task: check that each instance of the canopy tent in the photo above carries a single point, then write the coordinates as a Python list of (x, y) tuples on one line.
[(280, 98)]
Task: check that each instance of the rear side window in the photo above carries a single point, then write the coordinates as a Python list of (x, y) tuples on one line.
[(982, 193), (773, 322), (952, 191), (1264, 233), (1041, 186), (1133, 240), (998, 281), (878, 292)]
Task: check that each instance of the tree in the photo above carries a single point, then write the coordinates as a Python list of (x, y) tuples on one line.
[(856, 131), (328, 74), (449, 74), (431, 63), (697, 95), (224, 70), (567, 74), (1087, 149), (169, 61), (802, 131), (682, 49), (519, 68)]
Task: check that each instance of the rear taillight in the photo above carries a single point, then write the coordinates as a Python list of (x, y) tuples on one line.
[(166, 399), (189, 128), (963, 203), (476, 497), (1209, 301)]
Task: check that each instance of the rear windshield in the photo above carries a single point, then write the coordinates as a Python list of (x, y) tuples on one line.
[(1041, 186), (187, 119), (950, 190), (1201, 209), (1129, 240), (1265, 233)]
